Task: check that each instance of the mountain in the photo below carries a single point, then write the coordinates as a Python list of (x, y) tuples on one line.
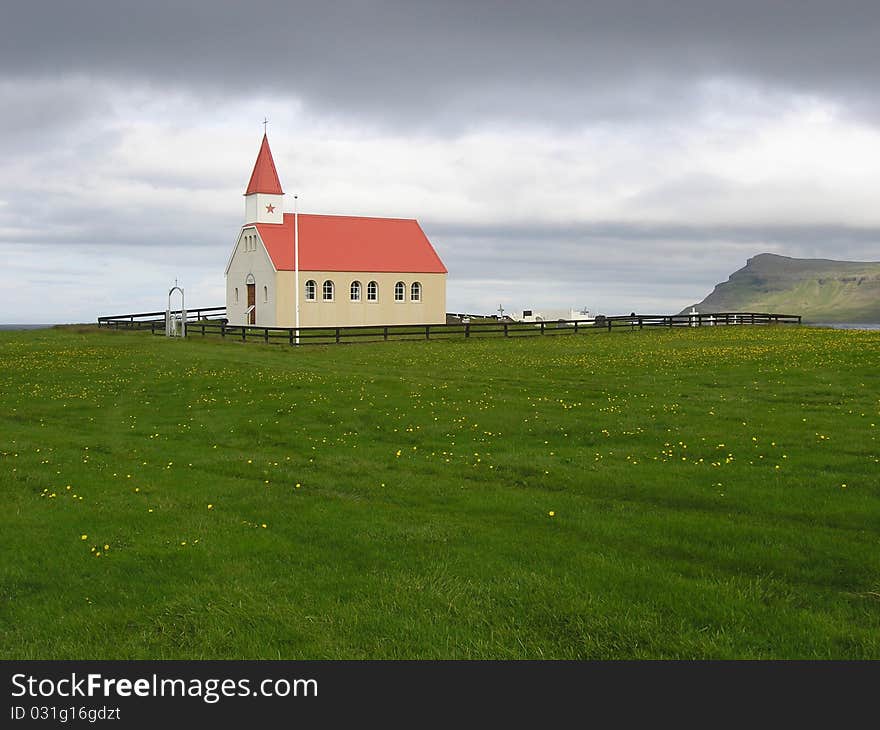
[(820, 290)]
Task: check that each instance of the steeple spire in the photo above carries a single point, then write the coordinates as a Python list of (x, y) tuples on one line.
[(264, 178), (264, 199)]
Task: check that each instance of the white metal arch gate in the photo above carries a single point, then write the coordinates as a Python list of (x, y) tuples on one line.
[(175, 324)]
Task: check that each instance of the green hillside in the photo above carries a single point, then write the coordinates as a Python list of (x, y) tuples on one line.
[(820, 290)]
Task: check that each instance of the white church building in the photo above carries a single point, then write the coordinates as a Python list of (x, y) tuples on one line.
[(304, 270)]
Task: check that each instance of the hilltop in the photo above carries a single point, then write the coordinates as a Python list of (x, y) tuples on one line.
[(821, 290)]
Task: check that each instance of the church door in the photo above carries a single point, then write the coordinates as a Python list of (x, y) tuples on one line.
[(252, 303)]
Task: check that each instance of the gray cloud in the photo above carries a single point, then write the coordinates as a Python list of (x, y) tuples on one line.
[(646, 232), (557, 154), (438, 62), (616, 267)]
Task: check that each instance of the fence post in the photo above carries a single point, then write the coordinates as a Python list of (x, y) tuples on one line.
[(203, 329), (427, 332), (290, 337), (385, 333), (337, 335), (266, 334), (542, 327), (243, 333), (609, 324), (467, 330), (575, 326), (222, 329), (640, 322), (505, 328)]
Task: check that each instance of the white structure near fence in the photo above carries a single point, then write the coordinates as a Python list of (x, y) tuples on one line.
[(555, 315), (175, 323), (698, 320)]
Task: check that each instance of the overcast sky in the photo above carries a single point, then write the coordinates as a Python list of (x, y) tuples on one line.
[(611, 155)]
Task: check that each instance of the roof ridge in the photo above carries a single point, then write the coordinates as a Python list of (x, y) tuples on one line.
[(357, 217)]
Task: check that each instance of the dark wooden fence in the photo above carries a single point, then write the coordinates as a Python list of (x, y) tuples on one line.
[(208, 321), (144, 320)]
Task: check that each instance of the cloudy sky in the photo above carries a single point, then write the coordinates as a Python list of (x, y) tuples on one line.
[(611, 155)]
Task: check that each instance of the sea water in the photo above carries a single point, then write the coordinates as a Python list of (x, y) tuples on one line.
[(25, 326), (847, 325)]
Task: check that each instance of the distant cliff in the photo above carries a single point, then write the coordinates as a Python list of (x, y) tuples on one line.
[(819, 289)]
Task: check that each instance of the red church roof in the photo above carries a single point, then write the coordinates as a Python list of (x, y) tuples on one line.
[(349, 243), (264, 178)]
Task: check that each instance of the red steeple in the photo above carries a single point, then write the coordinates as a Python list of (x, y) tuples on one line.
[(264, 178)]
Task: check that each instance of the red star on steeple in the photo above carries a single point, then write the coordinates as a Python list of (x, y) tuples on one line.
[(270, 208)]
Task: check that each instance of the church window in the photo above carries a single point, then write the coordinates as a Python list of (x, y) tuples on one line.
[(265, 293), (415, 292), (399, 291), (372, 292), (328, 291), (355, 291), (311, 290)]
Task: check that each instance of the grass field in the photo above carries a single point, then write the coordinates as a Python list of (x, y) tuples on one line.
[(710, 493)]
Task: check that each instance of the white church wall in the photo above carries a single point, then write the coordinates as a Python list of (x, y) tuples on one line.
[(251, 258)]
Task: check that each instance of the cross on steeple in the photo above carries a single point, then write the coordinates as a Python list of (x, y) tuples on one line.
[(265, 124)]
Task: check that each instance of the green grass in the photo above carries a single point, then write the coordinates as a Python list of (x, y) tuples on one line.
[(695, 476)]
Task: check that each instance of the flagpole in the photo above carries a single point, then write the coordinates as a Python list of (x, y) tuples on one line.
[(296, 263)]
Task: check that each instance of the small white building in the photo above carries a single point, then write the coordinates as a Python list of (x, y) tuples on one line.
[(555, 315)]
